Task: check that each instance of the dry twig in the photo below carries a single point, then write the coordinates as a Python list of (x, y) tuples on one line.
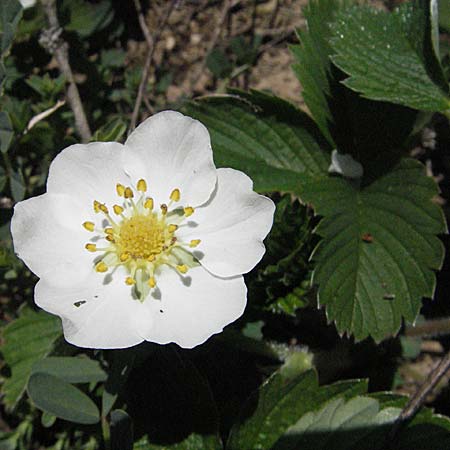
[(151, 44), (51, 40), (419, 397)]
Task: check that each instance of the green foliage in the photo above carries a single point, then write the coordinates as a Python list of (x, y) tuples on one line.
[(112, 131), (283, 276), (275, 143), (72, 370), (377, 257), (6, 131), (121, 430), (62, 399), (193, 442), (285, 397), (85, 18), (26, 340), (403, 66), (312, 63)]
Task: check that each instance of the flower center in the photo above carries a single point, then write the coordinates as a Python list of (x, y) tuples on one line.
[(141, 239), (141, 236)]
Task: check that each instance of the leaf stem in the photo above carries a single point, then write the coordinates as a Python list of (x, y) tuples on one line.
[(106, 431)]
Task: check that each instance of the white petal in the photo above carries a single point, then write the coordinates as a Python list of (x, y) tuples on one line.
[(171, 151), (109, 318), (89, 172), (189, 313), (231, 226), (345, 165), (49, 238)]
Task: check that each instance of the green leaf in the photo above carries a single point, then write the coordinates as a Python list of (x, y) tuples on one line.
[(341, 425), (62, 399), (391, 56), (47, 419), (275, 143), (280, 402), (17, 183), (444, 15), (121, 430), (26, 340), (112, 131), (363, 423), (218, 63), (380, 250), (6, 132), (71, 369), (192, 442), (86, 18), (10, 14), (312, 63)]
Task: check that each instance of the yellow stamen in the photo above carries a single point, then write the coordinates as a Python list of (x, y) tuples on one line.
[(110, 238), (130, 281), (97, 206), (91, 247), (163, 209), (194, 242), (142, 185), (188, 211), (120, 189), (152, 282), (172, 228), (118, 209), (109, 231), (103, 208), (148, 204), (151, 258), (124, 257), (89, 226), (101, 267), (182, 268), (128, 193), (175, 195)]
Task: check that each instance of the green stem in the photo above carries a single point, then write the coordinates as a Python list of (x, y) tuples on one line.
[(8, 166), (106, 433)]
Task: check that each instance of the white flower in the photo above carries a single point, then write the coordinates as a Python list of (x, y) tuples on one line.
[(345, 165), (143, 241), (27, 3)]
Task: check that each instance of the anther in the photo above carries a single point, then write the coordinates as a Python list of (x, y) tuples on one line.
[(148, 204), (188, 211), (110, 238), (151, 258), (194, 242), (124, 256), (163, 209), (109, 231), (128, 193), (97, 206), (182, 268), (130, 281), (142, 185), (91, 247), (103, 208), (89, 226), (152, 282), (120, 189), (101, 267), (175, 195), (118, 209), (172, 228)]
